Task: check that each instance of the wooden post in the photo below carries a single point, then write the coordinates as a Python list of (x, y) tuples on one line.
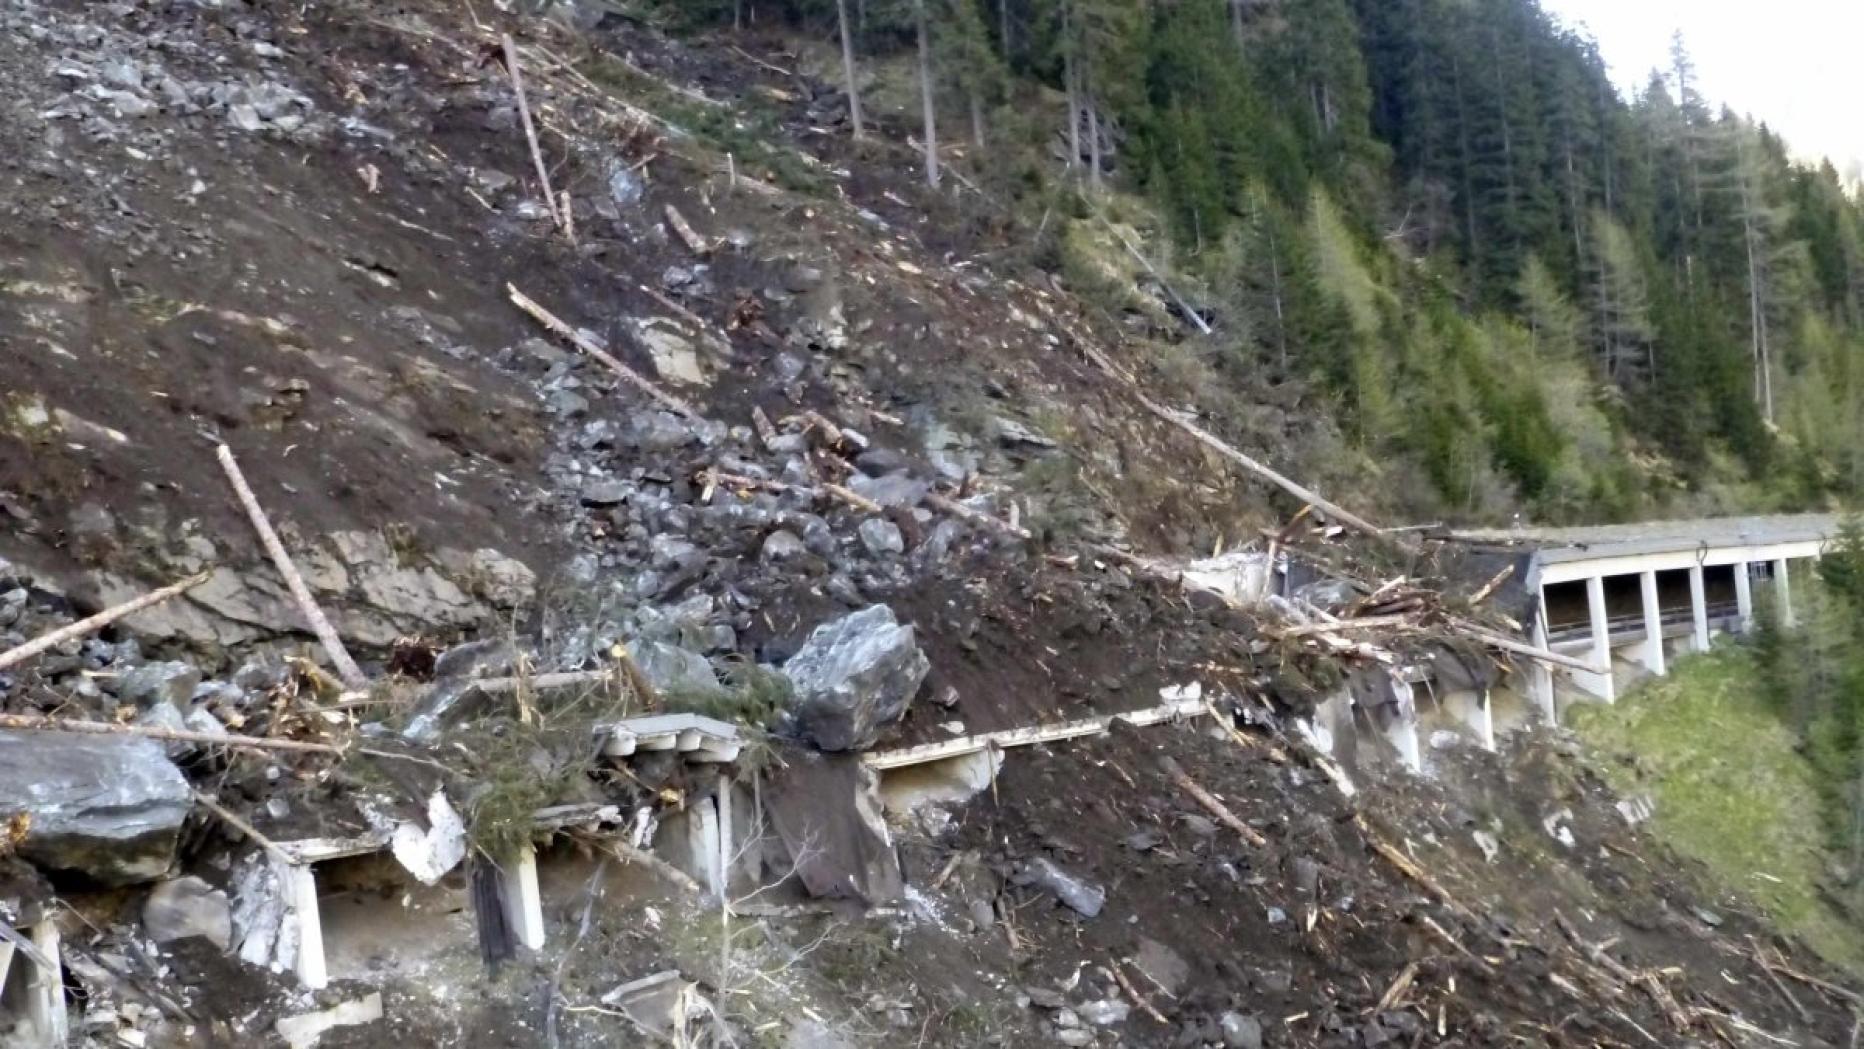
[(326, 634)]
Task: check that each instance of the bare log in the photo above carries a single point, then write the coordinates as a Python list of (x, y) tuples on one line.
[(1489, 587), (211, 804), (91, 624), (633, 378), (1225, 449), (690, 237), (977, 517), (326, 634), (1145, 1004), (1522, 648), (530, 130), (859, 502), (1210, 803), (1409, 868), (41, 723)]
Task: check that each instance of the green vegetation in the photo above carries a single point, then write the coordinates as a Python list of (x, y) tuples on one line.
[(1732, 789), (1434, 221)]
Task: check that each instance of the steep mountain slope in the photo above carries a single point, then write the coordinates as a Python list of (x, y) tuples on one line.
[(294, 229)]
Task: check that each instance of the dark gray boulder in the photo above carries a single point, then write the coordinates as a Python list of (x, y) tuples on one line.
[(106, 808), (854, 676)]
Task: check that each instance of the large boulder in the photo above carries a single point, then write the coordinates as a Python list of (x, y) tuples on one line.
[(106, 808), (854, 676)]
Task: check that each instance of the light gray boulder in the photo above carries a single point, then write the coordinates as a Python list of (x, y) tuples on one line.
[(854, 676), (106, 808)]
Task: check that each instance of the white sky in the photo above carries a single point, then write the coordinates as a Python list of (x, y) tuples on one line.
[(1797, 65)]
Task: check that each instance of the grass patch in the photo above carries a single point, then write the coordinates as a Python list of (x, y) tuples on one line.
[(1732, 790)]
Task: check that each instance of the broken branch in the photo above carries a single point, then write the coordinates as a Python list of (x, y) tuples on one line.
[(15, 656), (586, 345), (326, 634), (1210, 803), (41, 723), (208, 802), (530, 131)]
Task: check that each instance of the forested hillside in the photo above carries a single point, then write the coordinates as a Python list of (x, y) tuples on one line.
[(1436, 221)]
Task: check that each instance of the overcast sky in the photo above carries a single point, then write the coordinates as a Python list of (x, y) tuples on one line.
[(1797, 65)]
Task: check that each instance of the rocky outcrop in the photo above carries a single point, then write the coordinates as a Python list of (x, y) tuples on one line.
[(108, 809), (854, 676), (372, 591)]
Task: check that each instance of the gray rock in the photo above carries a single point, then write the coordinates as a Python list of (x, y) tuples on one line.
[(783, 545), (625, 188), (881, 537), (244, 117), (488, 658), (605, 493), (122, 73), (503, 581), (1104, 1013), (167, 717), (153, 683), (675, 671), (1241, 1032), (854, 676), (894, 489), (106, 808), (1082, 896), (185, 908)]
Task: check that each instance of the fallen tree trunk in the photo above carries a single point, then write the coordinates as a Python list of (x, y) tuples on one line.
[(346, 667), (633, 378), (41, 723), (91, 624), (1210, 803)]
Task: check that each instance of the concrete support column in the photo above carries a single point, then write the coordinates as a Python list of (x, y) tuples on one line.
[(45, 1005), (1653, 625), (298, 885), (1540, 675), (1600, 683), (1699, 606), (1783, 593), (523, 902), (1744, 597)]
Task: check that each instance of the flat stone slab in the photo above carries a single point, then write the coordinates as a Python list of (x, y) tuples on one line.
[(107, 808)]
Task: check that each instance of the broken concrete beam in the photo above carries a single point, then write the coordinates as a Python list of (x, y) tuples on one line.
[(701, 738), (305, 1030), (106, 808)]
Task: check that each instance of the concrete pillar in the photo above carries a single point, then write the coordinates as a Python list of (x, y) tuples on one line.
[(45, 1003), (1783, 593), (1599, 684), (6, 964), (1401, 732), (1699, 607), (1540, 675), (1653, 625), (298, 884), (1744, 598), (524, 903), (725, 837)]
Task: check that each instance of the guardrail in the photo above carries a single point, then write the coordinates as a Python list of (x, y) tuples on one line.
[(1619, 629)]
